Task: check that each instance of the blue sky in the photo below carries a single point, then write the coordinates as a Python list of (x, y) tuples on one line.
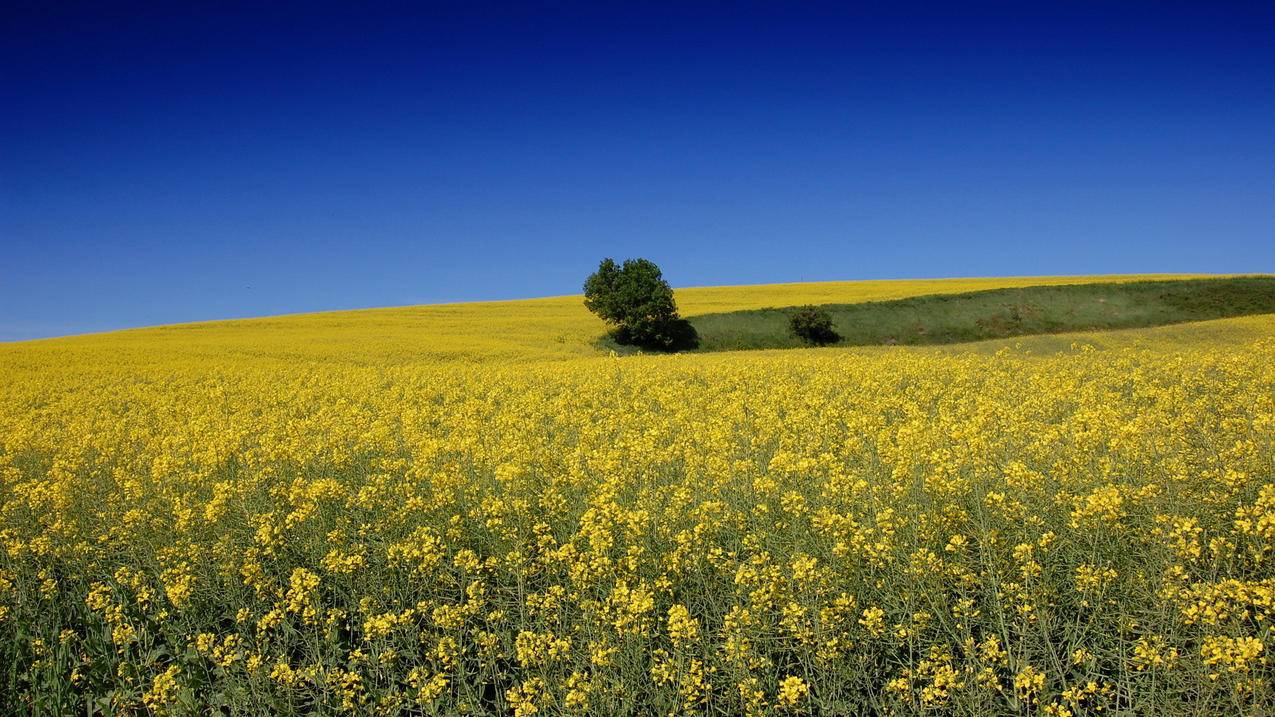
[(196, 161)]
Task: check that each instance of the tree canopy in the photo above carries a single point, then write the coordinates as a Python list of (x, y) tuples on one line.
[(638, 302)]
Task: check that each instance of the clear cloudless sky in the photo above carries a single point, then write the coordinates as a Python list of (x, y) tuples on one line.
[(185, 161)]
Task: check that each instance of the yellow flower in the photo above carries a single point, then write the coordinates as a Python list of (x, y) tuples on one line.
[(1231, 654), (792, 691), (164, 690), (873, 621), (682, 628), (1152, 653), (541, 648), (1090, 579), (1028, 682)]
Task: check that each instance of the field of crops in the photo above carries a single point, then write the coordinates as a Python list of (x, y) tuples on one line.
[(469, 509)]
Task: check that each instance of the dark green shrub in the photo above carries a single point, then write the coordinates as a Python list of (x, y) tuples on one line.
[(813, 325), (638, 302)]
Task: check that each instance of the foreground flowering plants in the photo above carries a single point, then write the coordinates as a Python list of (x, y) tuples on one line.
[(807, 532)]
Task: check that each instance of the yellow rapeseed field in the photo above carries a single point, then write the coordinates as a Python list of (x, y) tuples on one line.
[(470, 509)]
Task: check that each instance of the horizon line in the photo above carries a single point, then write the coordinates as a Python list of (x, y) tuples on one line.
[(465, 302)]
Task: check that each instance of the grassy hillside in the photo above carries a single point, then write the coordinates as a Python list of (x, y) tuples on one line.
[(1002, 313), (471, 509)]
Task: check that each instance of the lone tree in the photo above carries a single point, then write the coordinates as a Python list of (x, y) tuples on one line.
[(635, 298), (813, 325)]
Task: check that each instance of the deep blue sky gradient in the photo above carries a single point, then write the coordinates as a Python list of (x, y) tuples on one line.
[(191, 161)]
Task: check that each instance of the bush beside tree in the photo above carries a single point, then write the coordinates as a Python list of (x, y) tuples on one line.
[(813, 325)]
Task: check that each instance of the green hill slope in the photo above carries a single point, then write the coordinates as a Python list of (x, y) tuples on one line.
[(1002, 313)]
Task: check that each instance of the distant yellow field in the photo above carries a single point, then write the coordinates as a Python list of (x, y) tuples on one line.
[(517, 331), (469, 509)]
